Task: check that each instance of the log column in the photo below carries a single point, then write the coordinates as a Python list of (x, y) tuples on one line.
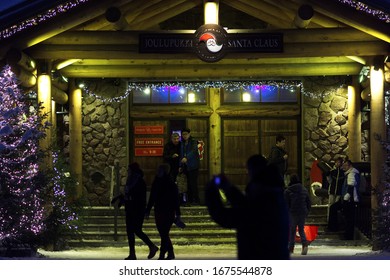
[(23, 66), (303, 16), (377, 130), (215, 132), (44, 98), (75, 135), (354, 122)]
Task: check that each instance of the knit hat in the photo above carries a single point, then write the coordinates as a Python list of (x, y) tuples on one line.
[(134, 167)]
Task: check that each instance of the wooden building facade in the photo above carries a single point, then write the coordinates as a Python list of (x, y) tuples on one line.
[(326, 47)]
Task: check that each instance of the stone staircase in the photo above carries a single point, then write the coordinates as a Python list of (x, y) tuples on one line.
[(97, 229)]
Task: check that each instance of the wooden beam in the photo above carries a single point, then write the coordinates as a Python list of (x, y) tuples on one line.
[(258, 13), (76, 139), (272, 10), (60, 83), (354, 121), (116, 18), (180, 60), (66, 21), (130, 10), (58, 95), (15, 56), (304, 16), (166, 7), (267, 110), (131, 37), (215, 132), (168, 112), (26, 78), (212, 71), (318, 19), (128, 51), (163, 15), (354, 18)]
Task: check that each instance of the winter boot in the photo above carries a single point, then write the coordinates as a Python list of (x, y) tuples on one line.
[(305, 248), (152, 251)]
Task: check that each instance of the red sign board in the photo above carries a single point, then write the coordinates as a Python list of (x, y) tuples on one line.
[(159, 142), (148, 129), (148, 152)]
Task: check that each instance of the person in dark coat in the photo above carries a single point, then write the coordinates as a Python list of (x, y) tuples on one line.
[(278, 155), (298, 202), (135, 205), (336, 179), (189, 164), (259, 215), (164, 197), (171, 155), (351, 198)]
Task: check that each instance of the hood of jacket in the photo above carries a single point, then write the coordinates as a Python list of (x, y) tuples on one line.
[(295, 187)]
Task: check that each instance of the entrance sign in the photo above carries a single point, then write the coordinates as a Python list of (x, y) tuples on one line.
[(159, 142), (148, 152), (148, 129), (210, 42)]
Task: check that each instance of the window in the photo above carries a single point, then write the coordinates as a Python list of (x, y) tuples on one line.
[(260, 93), (169, 95)]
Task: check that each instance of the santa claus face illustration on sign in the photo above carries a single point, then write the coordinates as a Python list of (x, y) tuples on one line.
[(210, 41)]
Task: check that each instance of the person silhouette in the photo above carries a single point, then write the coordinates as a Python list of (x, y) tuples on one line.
[(164, 197), (171, 155), (299, 205), (259, 215), (135, 205)]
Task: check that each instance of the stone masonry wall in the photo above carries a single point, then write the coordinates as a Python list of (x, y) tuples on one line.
[(104, 143), (325, 109), (325, 123)]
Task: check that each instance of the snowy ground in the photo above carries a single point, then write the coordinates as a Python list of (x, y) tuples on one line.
[(215, 252)]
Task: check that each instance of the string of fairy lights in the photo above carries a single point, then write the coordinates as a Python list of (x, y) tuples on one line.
[(40, 18), (69, 5), (231, 86), (365, 8)]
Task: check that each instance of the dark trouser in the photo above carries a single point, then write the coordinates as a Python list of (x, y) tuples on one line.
[(297, 221), (134, 222), (164, 223), (173, 173), (333, 222), (192, 186), (349, 214)]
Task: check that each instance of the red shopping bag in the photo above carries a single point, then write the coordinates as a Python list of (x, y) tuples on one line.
[(310, 232)]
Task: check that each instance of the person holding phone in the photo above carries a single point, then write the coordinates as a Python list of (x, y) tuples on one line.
[(259, 215)]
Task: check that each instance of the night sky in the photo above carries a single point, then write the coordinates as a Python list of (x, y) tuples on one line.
[(380, 4), (6, 4)]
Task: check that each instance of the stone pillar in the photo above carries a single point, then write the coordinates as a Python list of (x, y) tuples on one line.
[(75, 137), (215, 133), (354, 122)]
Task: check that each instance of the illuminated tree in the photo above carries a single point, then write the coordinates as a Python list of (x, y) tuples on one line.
[(381, 234), (21, 183), (61, 218)]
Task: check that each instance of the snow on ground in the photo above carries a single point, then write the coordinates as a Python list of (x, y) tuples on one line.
[(218, 252), (198, 252)]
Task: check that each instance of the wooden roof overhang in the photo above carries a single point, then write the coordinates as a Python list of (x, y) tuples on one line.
[(338, 41)]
